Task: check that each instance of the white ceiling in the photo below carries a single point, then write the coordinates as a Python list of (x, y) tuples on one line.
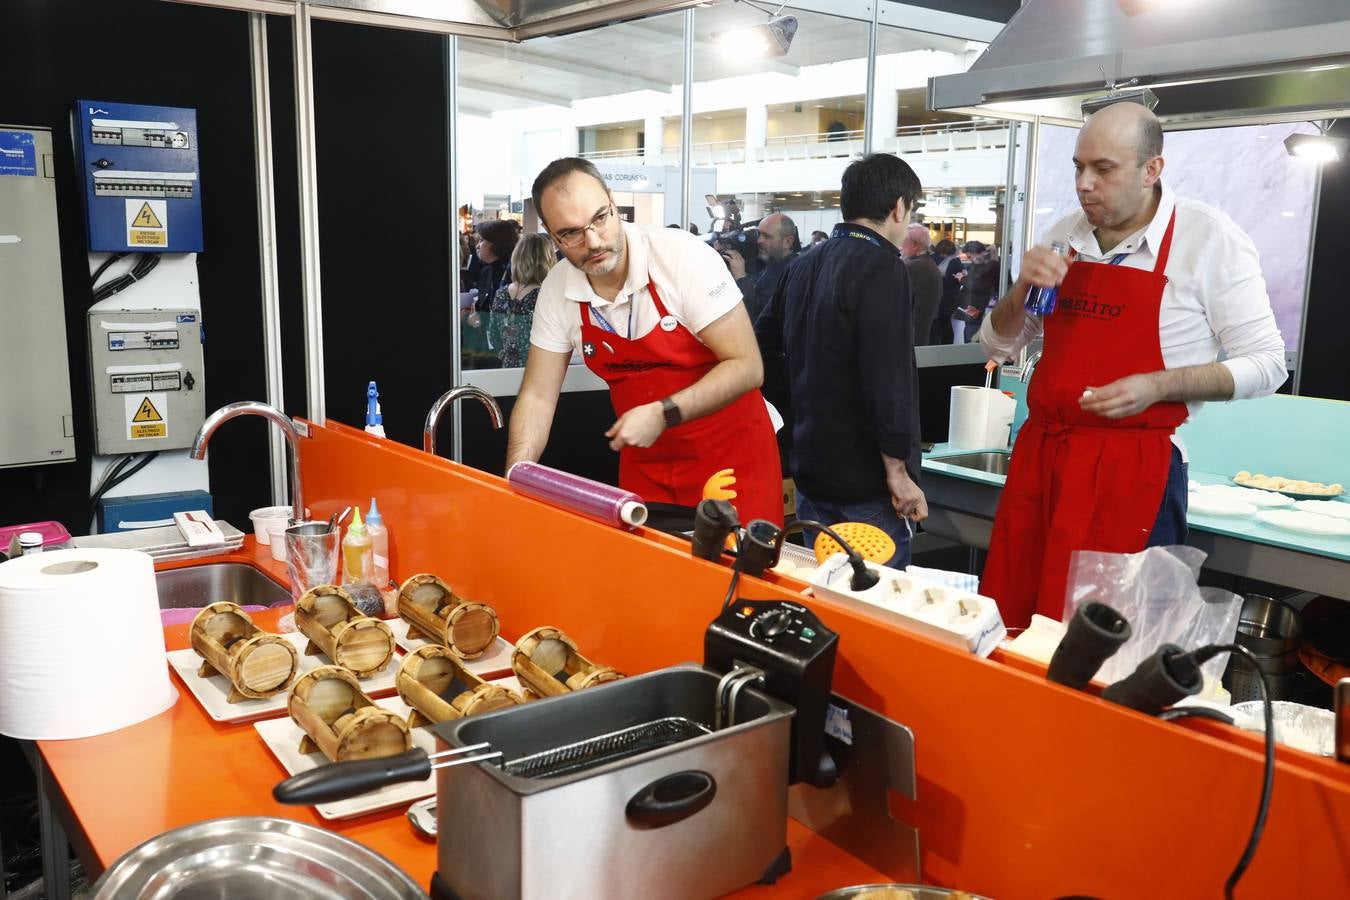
[(649, 54)]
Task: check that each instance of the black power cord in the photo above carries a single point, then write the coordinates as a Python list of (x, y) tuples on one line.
[(143, 267), (863, 577), (120, 476), (1268, 780)]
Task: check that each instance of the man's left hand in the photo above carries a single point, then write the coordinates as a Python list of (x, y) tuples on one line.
[(1128, 396), (639, 427)]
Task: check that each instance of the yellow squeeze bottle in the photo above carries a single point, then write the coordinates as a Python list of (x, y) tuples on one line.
[(358, 563)]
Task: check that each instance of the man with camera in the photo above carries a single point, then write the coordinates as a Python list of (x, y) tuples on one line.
[(656, 315), (778, 244)]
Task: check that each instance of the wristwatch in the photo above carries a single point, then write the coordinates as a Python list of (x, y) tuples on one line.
[(672, 412)]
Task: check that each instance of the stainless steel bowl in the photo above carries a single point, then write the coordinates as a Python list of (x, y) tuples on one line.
[(250, 857)]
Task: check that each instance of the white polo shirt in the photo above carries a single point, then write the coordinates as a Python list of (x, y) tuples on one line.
[(1215, 300), (692, 279)]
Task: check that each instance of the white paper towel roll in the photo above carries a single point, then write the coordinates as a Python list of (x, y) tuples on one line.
[(969, 417), (81, 645)]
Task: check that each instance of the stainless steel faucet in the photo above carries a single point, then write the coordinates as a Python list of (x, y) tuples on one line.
[(450, 396), (254, 408), (1030, 365)]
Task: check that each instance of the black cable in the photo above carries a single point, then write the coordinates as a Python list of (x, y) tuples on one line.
[(735, 574), (1268, 781), (143, 267), (114, 482), (98, 273)]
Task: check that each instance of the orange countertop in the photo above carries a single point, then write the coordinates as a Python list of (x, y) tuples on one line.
[(1026, 789), (181, 766)]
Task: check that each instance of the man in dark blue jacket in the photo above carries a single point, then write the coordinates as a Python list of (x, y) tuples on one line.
[(838, 345)]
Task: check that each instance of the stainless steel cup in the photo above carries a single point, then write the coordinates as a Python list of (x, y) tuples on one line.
[(311, 556)]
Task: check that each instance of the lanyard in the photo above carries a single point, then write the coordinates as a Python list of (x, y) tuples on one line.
[(843, 229), (604, 323)]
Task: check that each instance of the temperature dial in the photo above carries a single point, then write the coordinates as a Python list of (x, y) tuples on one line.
[(775, 623)]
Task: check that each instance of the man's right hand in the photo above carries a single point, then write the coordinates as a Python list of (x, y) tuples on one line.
[(906, 497), (1042, 267)]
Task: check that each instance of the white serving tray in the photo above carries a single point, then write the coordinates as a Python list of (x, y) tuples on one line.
[(211, 692), (495, 659), (282, 737), (978, 630)]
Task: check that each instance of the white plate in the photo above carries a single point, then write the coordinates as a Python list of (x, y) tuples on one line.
[(1258, 498), (1217, 505), (283, 736), (1305, 522), (1334, 508), (211, 692), (496, 658)]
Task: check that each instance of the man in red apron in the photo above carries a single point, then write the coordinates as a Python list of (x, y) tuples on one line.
[(1129, 343), (655, 313)]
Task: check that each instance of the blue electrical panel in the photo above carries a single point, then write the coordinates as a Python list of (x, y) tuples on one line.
[(141, 185)]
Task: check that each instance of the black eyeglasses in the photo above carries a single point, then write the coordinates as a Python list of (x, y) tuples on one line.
[(572, 237)]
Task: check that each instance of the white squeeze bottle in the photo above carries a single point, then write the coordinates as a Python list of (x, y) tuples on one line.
[(357, 565), (379, 543)]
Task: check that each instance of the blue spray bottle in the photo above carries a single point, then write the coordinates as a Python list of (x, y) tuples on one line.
[(374, 420)]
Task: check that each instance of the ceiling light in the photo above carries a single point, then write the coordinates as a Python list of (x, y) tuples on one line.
[(1287, 214), (1317, 147), (771, 38)]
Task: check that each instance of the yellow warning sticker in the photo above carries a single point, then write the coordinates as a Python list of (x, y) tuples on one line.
[(146, 218), (147, 223), (147, 416)]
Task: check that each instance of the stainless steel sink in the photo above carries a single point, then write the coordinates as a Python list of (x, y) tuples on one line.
[(203, 585), (995, 462)]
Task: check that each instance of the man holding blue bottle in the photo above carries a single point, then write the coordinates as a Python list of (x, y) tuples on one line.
[(1150, 289)]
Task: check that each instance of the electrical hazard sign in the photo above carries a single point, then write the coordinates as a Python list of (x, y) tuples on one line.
[(147, 223), (147, 416)]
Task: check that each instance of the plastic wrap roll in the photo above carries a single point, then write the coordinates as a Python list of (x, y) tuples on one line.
[(611, 505), (81, 646)]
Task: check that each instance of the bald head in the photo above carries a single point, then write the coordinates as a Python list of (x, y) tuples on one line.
[(1129, 124)]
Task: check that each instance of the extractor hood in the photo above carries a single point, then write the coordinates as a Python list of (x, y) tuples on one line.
[(1210, 62)]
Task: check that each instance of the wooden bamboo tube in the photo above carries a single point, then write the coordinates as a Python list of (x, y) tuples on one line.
[(340, 721), (258, 664), (433, 611), (432, 673), (547, 661), (335, 627)]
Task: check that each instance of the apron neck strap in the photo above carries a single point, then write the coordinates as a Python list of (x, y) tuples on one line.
[(1166, 247)]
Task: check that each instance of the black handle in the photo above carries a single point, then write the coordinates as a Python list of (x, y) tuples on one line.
[(670, 799), (1161, 680), (338, 781), (1095, 632)]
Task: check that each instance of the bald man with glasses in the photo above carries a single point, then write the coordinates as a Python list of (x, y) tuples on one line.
[(656, 315)]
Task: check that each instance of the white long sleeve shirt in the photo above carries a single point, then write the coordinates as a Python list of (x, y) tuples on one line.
[(1215, 301)]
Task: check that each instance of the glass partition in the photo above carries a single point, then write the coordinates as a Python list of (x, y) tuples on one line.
[(605, 94)]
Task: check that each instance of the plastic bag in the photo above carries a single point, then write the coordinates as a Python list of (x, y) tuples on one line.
[(1156, 591)]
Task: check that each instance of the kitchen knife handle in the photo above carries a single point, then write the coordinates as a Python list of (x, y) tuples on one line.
[(670, 799), (340, 780)]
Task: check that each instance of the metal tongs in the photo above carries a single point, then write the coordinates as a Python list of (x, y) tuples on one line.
[(340, 780)]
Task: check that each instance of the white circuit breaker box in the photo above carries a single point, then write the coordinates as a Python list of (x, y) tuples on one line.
[(35, 405), (149, 392)]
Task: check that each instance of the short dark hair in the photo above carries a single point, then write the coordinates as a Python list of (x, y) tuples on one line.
[(872, 185), (946, 247), (501, 234), (556, 171), (1150, 138)]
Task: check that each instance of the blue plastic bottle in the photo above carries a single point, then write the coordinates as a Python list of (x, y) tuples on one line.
[(1042, 299)]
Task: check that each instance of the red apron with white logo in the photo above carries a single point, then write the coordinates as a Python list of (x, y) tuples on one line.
[(1078, 481), (673, 470)]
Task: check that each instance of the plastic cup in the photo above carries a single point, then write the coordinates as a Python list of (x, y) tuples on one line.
[(311, 556), (276, 536)]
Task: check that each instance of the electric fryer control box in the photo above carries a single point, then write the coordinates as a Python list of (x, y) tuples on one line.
[(796, 653)]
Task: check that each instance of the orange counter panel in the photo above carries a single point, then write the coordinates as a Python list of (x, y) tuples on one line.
[(1026, 789)]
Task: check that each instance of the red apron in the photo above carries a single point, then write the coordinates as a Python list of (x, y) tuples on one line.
[(1079, 481), (674, 469)]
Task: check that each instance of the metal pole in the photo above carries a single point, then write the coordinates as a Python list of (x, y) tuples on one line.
[(870, 98), (1029, 185), (451, 75), (687, 123), (309, 214), (1005, 245), (1307, 284), (267, 249)]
